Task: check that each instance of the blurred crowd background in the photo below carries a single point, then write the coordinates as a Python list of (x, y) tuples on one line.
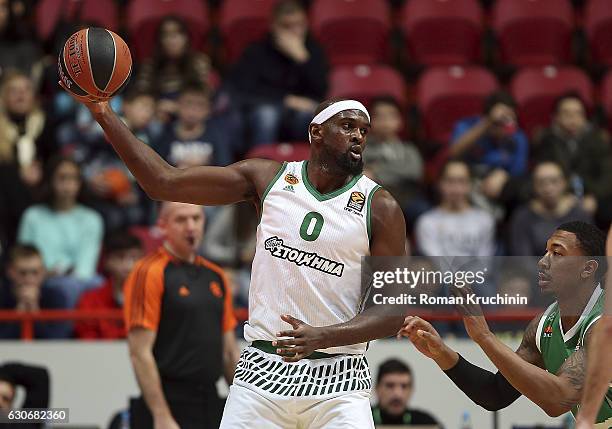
[(489, 126)]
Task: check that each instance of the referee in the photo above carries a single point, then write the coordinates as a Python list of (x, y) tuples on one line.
[(180, 321)]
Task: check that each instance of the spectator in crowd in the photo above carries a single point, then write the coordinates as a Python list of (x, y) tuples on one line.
[(18, 47), (492, 144), (139, 114), (24, 137), (174, 64), (395, 164), (170, 296), (582, 149), (33, 379), (25, 293), (121, 251), (24, 144), (67, 233), (279, 80), (394, 388), (192, 139), (454, 227), (552, 205)]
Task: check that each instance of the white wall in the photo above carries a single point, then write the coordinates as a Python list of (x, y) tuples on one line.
[(94, 379)]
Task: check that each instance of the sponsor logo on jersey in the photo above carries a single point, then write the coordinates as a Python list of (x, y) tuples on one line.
[(184, 291), (548, 332), (278, 249), (289, 188), (291, 179)]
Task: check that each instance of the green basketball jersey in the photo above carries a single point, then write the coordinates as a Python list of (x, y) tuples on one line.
[(556, 346)]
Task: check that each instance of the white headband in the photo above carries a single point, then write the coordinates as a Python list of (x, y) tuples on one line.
[(336, 108)]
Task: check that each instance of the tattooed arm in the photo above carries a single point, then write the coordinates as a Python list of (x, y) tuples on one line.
[(557, 393)]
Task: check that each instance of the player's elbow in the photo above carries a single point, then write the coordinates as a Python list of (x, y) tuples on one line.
[(138, 357), (555, 410), (557, 405), (160, 188), (153, 193)]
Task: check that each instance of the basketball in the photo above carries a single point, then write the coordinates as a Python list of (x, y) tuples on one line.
[(95, 62)]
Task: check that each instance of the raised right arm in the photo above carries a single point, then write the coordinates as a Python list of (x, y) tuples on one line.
[(245, 180)]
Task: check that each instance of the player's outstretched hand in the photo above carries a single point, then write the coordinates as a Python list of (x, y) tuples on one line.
[(427, 340), (304, 340), (424, 336), (94, 104)]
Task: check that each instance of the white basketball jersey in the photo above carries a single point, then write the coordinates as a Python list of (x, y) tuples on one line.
[(308, 257)]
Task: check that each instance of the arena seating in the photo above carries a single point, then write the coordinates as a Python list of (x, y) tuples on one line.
[(447, 94), (242, 22), (598, 28), (352, 31), (144, 16), (364, 82), (533, 32), (442, 32), (536, 89)]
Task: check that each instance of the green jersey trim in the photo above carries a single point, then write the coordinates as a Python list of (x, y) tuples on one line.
[(571, 333), (280, 171), (324, 197), (369, 211), (590, 324)]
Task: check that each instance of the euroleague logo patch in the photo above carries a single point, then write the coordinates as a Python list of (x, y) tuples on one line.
[(356, 201), (291, 179)]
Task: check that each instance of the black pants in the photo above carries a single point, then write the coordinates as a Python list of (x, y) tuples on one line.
[(202, 414)]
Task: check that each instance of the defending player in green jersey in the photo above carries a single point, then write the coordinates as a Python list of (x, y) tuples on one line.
[(549, 367)]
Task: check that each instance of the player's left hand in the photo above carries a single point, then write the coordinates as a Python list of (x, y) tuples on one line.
[(305, 339), (473, 316)]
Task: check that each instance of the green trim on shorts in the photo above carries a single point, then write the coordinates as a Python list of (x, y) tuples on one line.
[(266, 346)]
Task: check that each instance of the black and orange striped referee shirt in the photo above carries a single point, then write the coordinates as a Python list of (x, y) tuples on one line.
[(189, 305)]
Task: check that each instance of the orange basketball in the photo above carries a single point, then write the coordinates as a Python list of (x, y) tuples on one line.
[(95, 62)]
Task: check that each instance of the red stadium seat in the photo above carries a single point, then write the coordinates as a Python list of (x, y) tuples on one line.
[(364, 83), (536, 89), (442, 32), (447, 94), (352, 31), (242, 22), (144, 16), (281, 152), (606, 97), (534, 32), (100, 12), (598, 26)]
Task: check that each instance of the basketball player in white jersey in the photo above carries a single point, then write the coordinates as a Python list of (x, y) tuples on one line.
[(305, 366)]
